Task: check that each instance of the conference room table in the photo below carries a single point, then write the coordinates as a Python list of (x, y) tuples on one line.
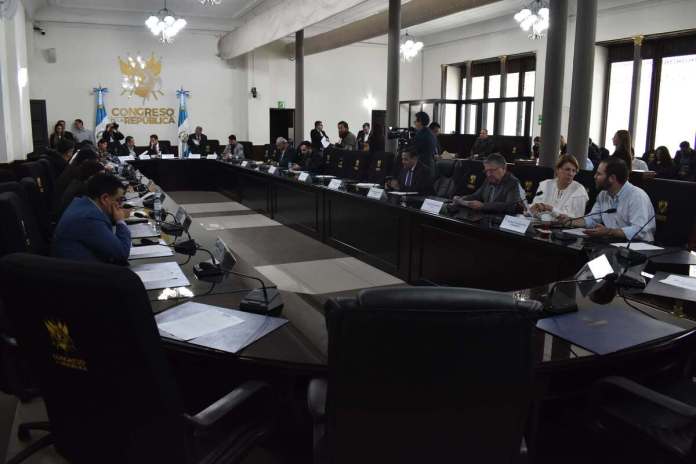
[(474, 254)]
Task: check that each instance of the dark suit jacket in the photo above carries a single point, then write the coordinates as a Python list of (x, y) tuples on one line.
[(484, 147), (197, 149), (54, 139), (507, 193), (57, 162), (421, 182), (123, 151), (284, 159), (85, 233), (362, 138), (312, 162), (315, 137), (425, 147), (114, 140)]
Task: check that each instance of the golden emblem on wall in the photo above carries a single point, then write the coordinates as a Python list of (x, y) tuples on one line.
[(141, 77)]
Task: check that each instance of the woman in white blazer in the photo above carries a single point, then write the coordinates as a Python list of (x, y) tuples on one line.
[(562, 194)]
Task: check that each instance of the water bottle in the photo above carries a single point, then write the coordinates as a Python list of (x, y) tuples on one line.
[(158, 207)]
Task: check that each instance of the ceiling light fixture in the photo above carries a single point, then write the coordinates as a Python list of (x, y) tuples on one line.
[(165, 26), (410, 47), (534, 18), (211, 2)]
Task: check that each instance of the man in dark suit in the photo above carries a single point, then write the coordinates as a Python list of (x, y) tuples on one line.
[(363, 136), (308, 159), (128, 148), (483, 145), (93, 227), (317, 134), (284, 156), (197, 141), (425, 142), (414, 175), (501, 193)]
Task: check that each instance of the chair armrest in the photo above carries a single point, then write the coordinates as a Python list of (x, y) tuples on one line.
[(227, 404), (316, 398), (641, 392)]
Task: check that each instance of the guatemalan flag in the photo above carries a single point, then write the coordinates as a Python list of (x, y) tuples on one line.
[(183, 122), (102, 119)]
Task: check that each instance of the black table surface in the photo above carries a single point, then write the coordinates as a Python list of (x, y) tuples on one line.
[(295, 347)]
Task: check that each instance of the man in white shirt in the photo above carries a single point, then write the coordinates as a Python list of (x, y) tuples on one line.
[(634, 217)]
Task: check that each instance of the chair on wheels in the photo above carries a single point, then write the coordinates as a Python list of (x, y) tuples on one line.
[(425, 375), (660, 420), (90, 337), (18, 227)]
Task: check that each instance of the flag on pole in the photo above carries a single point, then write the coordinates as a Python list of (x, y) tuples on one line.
[(102, 119), (183, 122)]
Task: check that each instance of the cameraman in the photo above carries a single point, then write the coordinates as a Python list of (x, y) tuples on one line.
[(425, 142), (113, 138)]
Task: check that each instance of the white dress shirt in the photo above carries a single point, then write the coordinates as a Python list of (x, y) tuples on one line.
[(571, 201), (633, 210), (639, 165)]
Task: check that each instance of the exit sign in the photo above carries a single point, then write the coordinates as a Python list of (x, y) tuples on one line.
[(281, 104), (541, 119)]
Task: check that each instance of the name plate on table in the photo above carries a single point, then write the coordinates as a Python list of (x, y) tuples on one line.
[(272, 170), (167, 157), (432, 206), (303, 177), (144, 157), (193, 157), (335, 184), (518, 225), (376, 193), (123, 159), (245, 164)]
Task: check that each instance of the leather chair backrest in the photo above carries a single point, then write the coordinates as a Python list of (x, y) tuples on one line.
[(7, 175), (41, 212), (445, 168), (530, 177), (334, 161), (20, 222), (428, 375), (381, 166), (675, 217), (248, 149), (212, 147), (469, 176), (90, 337)]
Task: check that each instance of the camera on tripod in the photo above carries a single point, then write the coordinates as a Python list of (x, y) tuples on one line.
[(404, 135)]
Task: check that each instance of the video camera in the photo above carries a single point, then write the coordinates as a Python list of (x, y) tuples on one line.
[(405, 136)]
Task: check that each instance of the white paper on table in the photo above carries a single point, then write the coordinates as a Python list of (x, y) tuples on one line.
[(638, 246), (168, 157), (579, 231), (335, 184), (145, 154), (272, 169), (161, 275), (245, 164), (366, 185), (194, 156), (303, 177), (600, 267), (200, 324), (123, 159), (150, 251), (376, 193), (515, 224), (688, 283), (432, 206)]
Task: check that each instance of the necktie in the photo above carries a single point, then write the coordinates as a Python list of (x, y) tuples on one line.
[(409, 177)]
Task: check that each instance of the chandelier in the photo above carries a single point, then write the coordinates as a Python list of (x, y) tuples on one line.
[(165, 25), (409, 47), (534, 19), (211, 2)]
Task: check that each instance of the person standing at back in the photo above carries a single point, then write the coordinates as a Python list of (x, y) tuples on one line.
[(685, 160), (92, 228), (348, 140), (425, 142), (317, 135)]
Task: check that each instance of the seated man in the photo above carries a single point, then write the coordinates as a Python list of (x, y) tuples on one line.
[(483, 145), (86, 229), (128, 148), (284, 156), (61, 156), (348, 139), (197, 141), (501, 193), (685, 160), (76, 188), (633, 207), (233, 150), (153, 149), (309, 159), (414, 175)]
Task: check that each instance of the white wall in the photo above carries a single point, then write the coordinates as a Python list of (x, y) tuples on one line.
[(88, 56), (15, 120), (617, 19)]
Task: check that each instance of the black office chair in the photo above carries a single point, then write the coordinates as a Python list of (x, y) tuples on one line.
[(40, 173), (469, 176), (425, 375), (444, 185), (659, 422), (7, 175), (675, 214), (35, 200), (91, 338), (18, 229), (530, 177)]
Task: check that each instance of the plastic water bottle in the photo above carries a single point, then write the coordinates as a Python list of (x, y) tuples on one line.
[(158, 206)]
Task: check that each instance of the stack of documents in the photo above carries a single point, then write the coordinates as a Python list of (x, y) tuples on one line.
[(150, 251), (161, 275)]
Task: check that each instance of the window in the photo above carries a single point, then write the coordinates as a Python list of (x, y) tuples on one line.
[(529, 83), (675, 114), (494, 86), (619, 99), (513, 84), (477, 87)]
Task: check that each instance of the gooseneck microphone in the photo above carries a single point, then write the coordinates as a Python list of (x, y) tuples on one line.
[(606, 211)]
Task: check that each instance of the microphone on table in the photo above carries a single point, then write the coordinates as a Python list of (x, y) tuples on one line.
[(606, 211), (632, 257), (570, 306)]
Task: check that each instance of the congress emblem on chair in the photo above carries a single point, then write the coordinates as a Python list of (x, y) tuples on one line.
[(472, 181), (662, 208)]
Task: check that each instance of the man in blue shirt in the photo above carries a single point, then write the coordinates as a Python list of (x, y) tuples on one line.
[(634, 217), (92, 228)]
